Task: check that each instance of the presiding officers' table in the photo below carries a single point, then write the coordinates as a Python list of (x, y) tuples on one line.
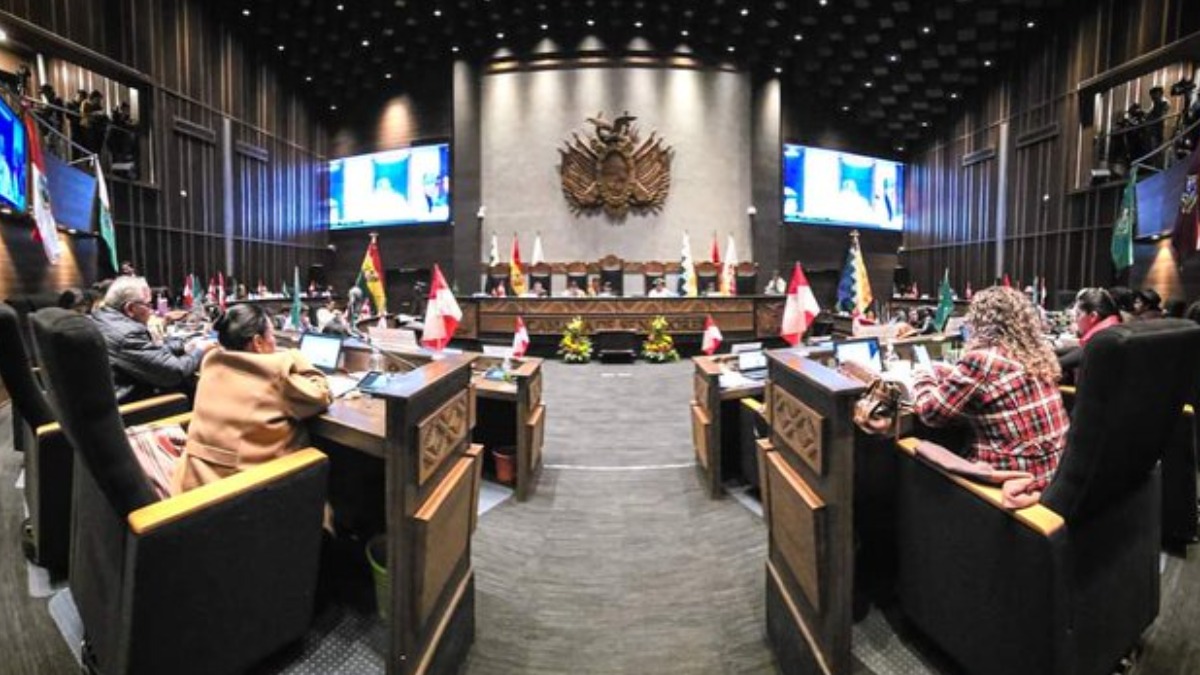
[(420, 426)]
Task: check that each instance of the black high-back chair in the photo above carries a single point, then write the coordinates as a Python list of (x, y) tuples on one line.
[(612, 273), (707, 277), (498, 275), (541, 273), (208, 582), (745, 278), (577, 275), (30, 405), (1067, 586)]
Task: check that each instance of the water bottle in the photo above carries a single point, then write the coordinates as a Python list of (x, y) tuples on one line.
[(377, 361)]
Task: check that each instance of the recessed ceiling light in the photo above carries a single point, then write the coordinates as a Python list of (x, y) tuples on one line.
[(281, 47), (924, 124), (308, 79), (845, 108), (730, 48), (333, 106), (366, 43), (926, 30), (684, 32), (823, 2), (797, 37), (246, 12), (499, 36), (637, 24), (745, 11), (387, 76), (591, 22), (987, 63), (893, 58), (954, 94), (341, 7), (899, 148), (437, 12), (1030, 24), (868, 84), (545, 27), (454, 49), (778, 70)]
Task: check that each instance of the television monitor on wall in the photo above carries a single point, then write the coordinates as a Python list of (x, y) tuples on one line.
[(830, 187), (408, 186), (13, 150)]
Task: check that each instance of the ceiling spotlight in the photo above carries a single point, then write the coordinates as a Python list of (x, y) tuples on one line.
[(1030, 24), (637, 24), (924, 124), (341, 7), (926, 30), (987, 63), (730, 48), (308, 78), (953, 95), (892, 58), (797, 37), (454, 49), (845, 108), (333, 106), (545, 27), (387, 76), (437, 12), (778, 70), (246, 12), (868, 84), (823, 2), (366, 43), (899, 148), (745, 11), (281, 47), (499, 36), (591, 22), (684, 32)]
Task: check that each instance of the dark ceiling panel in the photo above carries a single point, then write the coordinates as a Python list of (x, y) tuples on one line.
[(364, 50)]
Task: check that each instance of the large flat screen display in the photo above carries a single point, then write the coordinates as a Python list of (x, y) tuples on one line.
[(12, 159), (828, 187), (408, 186)]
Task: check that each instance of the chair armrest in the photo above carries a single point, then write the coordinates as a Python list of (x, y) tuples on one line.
[(1038, 517), (161, 409), (149, 518), (755, 405)]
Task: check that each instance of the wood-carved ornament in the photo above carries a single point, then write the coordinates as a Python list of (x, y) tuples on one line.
[(615, 170)]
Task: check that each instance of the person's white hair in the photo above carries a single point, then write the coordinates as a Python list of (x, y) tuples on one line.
[(126, 289)]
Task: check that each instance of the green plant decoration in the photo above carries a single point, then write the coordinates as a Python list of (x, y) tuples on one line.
[(575, 346), (659, 346)]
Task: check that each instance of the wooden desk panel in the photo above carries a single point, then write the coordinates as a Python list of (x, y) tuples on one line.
[(715, 417)]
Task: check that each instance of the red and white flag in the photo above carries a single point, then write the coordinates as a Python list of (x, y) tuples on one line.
[(187, 292), (800, 308), (221, 290), (441, 315), (715, 253), (520, 339), (43, 216), (712, 336)]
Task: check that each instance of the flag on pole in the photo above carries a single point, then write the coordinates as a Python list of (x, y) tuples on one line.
[(1033, 292), (520, 339), (221, 290), (494, 252), (442, 314), (712, 336), (197, 292), (1042, 294), (1006, 283), (687, 270), (729, 271), (714, 253), (800, 308), (538, 257), (297, 308), (46, 230), (1123, 229), (854, 289), (187, 292), (107, 232), (370, 277), (515, 273), (1185, 237), (945, 306), (969, 294)]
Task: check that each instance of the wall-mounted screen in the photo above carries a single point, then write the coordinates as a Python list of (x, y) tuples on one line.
[(395, 187), (13, 151), (828, 187)]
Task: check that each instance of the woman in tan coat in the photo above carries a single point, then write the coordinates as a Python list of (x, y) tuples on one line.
[(250, 401)]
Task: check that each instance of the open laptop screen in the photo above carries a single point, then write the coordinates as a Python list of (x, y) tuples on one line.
[(864, 351), (751, 361), (323, 351)]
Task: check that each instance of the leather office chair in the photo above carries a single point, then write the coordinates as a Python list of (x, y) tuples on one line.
[(48, 455), (1067, 586), (210, 581), (497, 275), (745, 278), (707, 277), (652, 271), (541, 274), (577, 273), (612, 272)]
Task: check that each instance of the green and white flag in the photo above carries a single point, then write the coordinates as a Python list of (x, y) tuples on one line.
[(297, 307), (945, 306), (1123, 229), (107, 232)]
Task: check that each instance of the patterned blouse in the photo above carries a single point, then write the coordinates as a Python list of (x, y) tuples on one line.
[(1019, 422)]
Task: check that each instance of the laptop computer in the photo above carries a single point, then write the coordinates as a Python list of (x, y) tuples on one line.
[(746, 347), (863, 351), (324, 352), (753, 365)]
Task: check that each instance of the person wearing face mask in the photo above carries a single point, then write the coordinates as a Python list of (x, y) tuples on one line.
[(250, 402)]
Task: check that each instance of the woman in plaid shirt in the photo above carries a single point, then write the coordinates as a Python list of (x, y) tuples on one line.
[(1005, 386)]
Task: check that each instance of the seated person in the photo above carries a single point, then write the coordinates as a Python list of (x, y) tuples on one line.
[(606, 291), (1004, 386), (1094, 311), (250, 401), (574, 291), (498, 291), (536, 291), (660, 289), (141, 366), (776, 286), (1147, 304), (593, 288), (1122, 297), (710, 289)]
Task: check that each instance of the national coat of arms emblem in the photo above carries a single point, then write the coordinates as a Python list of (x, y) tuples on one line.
[(615, 170)]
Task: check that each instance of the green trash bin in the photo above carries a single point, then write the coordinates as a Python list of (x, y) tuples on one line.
[(377, 557)]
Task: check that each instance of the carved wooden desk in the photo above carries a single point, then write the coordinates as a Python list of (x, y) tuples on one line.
[(421, 428), (716, 418)]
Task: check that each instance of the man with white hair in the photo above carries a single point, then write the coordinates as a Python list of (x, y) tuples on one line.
[(142, 367)]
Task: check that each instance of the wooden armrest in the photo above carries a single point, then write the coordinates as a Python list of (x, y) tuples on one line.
[(167, 511), (756, 406), (1066, 390), (149, 403), (1038, 517), (182, 419)]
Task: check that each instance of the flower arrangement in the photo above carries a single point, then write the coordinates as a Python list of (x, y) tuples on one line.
[(575, 346), (659, 347)]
